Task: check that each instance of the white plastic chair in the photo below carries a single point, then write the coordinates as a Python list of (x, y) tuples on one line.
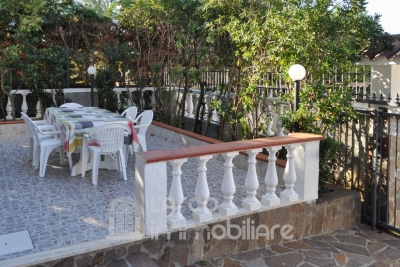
[(130, 113), (43, 126), (71, 105), (43, 148), (145, 118), (109, 139)]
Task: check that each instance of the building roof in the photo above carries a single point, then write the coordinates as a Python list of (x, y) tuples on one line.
[(388, 48)]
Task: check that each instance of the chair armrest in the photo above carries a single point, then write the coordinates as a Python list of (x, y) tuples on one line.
[(46, 127), (50, 127), (141, 126), (41, 122)]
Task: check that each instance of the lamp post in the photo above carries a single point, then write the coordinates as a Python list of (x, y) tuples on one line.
[(91, 70), (297, 72)]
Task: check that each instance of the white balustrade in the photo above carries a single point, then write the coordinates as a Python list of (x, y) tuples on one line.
[(228, 188), (251, 184), (176, 219), (289, 195), (202, 193), (301, 181), (271, 180)]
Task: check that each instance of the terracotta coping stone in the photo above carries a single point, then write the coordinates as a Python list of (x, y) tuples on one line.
[(260, 157), (219, 147), (12, 122)]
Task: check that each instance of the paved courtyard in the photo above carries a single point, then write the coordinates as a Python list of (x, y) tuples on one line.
[(59, 210)]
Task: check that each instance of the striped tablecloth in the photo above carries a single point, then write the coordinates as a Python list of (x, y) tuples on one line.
[(77, 121)]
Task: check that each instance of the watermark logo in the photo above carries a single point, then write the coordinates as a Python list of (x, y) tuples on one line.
[(124, 217)]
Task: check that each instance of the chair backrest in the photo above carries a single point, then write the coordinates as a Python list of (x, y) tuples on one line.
[(110, 136), (27, 121), (130, 112), (71, 105), (146, 117), (33, 128)]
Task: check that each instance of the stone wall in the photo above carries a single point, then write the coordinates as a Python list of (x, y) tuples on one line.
[(337, 210)]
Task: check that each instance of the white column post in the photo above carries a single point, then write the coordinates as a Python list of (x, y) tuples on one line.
[(176, 197), (306, 160), (8, 109), (38, 109), (251, 184), (24, 106), (228, 188), (271, 180), (151, 195), (153, 99), (189, 104), (289, 195), (202, 193)]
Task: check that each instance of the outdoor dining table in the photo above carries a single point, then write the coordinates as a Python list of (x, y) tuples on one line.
[(75, 122)]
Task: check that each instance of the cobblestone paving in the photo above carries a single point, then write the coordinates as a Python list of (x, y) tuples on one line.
[(59, 210), (353, 247)]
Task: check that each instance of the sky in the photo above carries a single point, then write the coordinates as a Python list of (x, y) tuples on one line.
[(389, 9)]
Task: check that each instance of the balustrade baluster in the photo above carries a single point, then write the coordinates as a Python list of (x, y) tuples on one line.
[(269, 120), (202, 193), (119, 99), (153, 100), (271, 180), (251, 184), (176, 197), (142, 101), (289, 195), (38, 109), (215, 116), (178, 97), (228, 208), (189, 104), (8, 109), (130, 102), (279, 126), (24, 106), (195, 103)]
